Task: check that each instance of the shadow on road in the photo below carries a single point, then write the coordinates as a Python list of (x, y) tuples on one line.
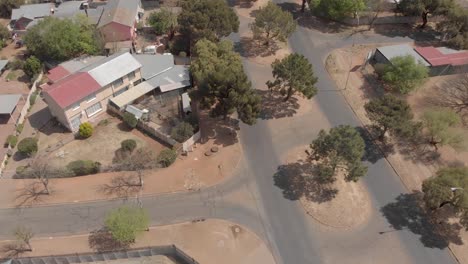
[(250, 47), (102, 241), (274, 106), (406, 213), (298, 180)]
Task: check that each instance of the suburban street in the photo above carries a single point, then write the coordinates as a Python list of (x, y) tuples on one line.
[(250, 198)]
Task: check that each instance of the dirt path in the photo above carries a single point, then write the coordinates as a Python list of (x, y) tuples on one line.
[(208, 242)]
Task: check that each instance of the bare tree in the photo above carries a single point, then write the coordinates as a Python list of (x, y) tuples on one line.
[(376, 7), (139, 161), (41, 170), (453, 94), (23, 235)]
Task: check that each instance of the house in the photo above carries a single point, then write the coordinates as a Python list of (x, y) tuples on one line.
[(119, 20), (27, 16), (79, 90), (439, 61)]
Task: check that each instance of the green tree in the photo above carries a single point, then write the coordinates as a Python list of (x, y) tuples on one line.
[(404, 74), (167, 157), (338, 9), (440, 125), (28, 146), (7, 5), (128, 145), (62, 39), (389, 113), (425, 7), (449, 186), (455, 28), (163, 21), (182, 131), (125, 223), (85, 130), (223, 85), (210, 19), (342, 147), (32, 67), (130, 119), (293, 74), (4, 33), (273, 24)]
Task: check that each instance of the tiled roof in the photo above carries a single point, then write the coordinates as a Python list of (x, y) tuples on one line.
[(72, 89), (436, 57)]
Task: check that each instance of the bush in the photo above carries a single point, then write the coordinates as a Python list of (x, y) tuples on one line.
[(183, 54), (167, 157), (20, 169), (16, 65), (128, 145), (32, 67), (28, 146), (84, 167), (19, 128), (11, 140), (130, 119), (86, 130), (104, 122), (182, 132)]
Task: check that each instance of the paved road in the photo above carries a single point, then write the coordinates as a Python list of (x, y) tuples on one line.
[(251, 199)]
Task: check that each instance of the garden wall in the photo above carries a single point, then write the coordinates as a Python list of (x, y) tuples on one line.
[(27, 104), (187, 145)]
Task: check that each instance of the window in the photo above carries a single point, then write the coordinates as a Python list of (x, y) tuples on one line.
[(75, 106), (75, 122), (131, 75), (137, 82), (90, 98), (117, 82), (94, 109), (121, 91)]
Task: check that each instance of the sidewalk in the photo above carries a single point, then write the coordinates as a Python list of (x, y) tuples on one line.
[(208, 242)]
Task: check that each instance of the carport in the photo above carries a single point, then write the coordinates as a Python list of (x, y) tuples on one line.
[(8, 103)]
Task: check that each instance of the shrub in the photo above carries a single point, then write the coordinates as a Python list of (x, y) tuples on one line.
[(86, 130), (28, 146), (32, 67), (11, 140), (84, 167), (16, 65), (20, 169), (19, 128), (130, 119), (128, 145), (183, 54), (182, 132), (104, 122), (167, 157)]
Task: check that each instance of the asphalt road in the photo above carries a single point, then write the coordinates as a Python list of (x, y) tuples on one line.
[(251, 198)]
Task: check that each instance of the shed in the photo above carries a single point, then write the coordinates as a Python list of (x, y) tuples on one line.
[(3, 64), (8, 103), (386, 53)]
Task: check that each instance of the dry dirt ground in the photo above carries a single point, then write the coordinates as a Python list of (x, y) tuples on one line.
[(191, 172), (412, 167), (208, 242), (338, 205)]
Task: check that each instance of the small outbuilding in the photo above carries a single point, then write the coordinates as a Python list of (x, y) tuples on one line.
[(3, 64), (8, 103)]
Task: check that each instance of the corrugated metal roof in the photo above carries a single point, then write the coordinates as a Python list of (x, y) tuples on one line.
[(8, 103), (57, 73), (3, 63), (112, 68), (72, 89), (152, 65), (31, 11), (120, 11), (132, 94), (77, 64), (175, 78), (437, 58), (391, 52), (134, 110)]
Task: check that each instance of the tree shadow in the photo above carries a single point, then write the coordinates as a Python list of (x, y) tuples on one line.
[(122, 186), (422, 37), (407, 213), (308, 20), (250, 47), (18, 156), (223, 131), (374, 150), (298, 180), (101, 240), (30, 195), (13, 250), (274, 106), (241, 3)]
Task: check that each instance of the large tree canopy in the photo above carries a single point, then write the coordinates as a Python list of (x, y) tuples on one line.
[(440, 125), (210, 19), (455, 27), (163, 21), (7, 5), (273, 24), (62, 39), (223, 85), (449, 186), (342, 147), (425, 7), (293, 74), (404, 74), (338, 9), (125, 223)]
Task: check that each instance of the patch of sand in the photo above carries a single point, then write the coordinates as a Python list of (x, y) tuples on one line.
[(350, 207), (209, 242)]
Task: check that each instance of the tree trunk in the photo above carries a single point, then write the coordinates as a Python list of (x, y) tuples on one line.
[(29, 246), (140, 178), (382, 134), (424, 18), (434, 143), (45, 183), (303, 6), (289, 94), (267, 39)]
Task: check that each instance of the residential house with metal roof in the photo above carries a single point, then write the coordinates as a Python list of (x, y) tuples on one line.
[(119, 19)]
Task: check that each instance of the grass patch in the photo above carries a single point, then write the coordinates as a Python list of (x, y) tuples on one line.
[(11, 76)]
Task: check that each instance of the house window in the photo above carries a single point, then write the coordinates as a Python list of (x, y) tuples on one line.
[(131, 75), (75, 122), (90, 98), (94, 109), (137, 82), (117, 82), (121, 91), (75, 107)]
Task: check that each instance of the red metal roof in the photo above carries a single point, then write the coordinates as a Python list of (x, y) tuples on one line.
[(72, 89), (57, 73), (437, 58)]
